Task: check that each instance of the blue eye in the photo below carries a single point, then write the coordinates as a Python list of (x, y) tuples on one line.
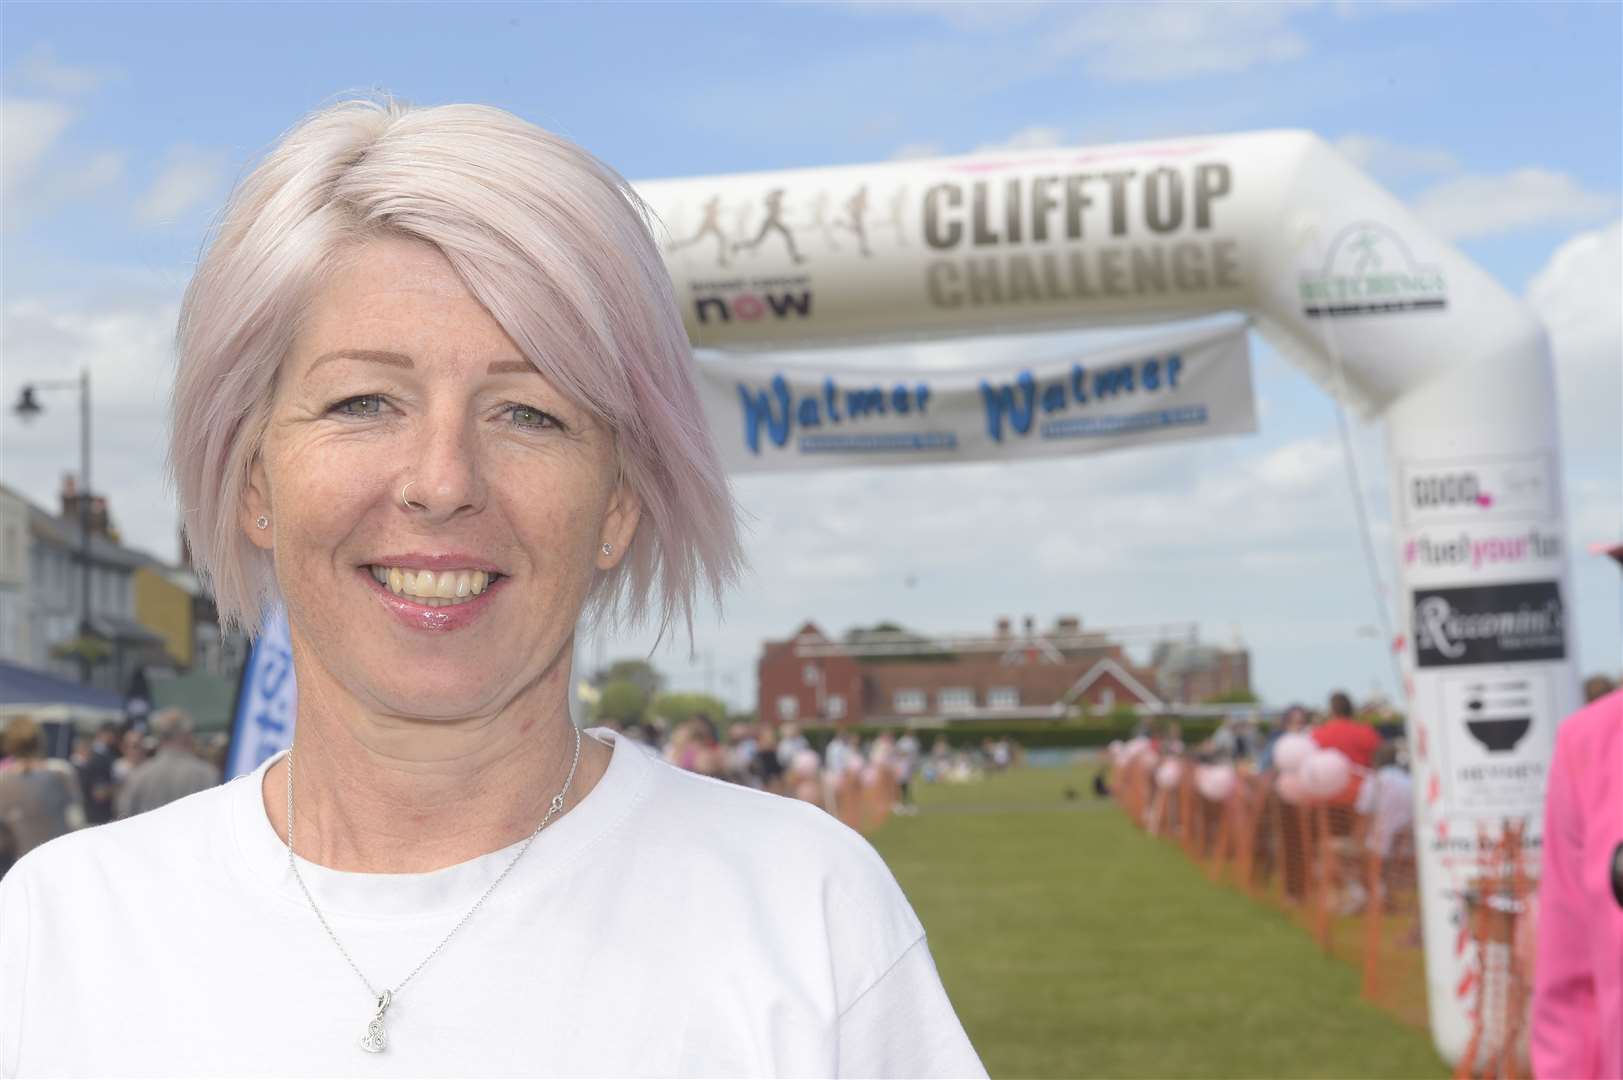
[(363, 405), (528, 416)]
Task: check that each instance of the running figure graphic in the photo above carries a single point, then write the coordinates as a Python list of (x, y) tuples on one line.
[(709, 226), (820, 221), (856, 209), (1365, 244), (772, 223)]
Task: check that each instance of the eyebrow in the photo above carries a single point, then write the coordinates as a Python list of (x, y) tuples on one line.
[(394, 359)]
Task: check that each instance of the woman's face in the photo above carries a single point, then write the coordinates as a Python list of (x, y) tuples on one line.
[(452, 606)]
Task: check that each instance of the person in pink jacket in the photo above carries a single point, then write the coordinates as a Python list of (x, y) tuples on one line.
[(1578, 977)]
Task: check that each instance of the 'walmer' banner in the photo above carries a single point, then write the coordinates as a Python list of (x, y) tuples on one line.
[(1180, 386)]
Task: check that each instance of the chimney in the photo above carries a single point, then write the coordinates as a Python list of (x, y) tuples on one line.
[(1003, 624), (1068, 624), (1031, 625), (100, 522)]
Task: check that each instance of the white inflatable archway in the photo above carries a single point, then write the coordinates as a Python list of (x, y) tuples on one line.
[(1341, 277)]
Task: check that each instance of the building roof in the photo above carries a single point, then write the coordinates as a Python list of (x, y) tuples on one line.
[(31, 687), (62, 533)]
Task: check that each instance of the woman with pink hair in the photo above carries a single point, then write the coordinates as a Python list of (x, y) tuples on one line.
[(434, 400)]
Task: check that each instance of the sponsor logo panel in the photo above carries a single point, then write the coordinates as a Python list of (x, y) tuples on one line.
[(1480, 550), (1369, 270), (1491, 726), (1489, 624), (1475, 491)]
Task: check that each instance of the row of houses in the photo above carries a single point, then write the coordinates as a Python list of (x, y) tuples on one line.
[(888, 675), (149, 619)]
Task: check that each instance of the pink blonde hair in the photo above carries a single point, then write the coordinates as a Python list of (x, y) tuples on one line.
[(552, 242)]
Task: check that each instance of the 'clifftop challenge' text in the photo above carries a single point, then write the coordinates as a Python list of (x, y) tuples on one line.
[(1165, 210)]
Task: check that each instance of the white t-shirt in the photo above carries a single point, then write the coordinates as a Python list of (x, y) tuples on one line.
[(668, 925)]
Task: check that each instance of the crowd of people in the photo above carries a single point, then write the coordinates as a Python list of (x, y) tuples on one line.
[(119, 772), (859, 782), (1371, 813)]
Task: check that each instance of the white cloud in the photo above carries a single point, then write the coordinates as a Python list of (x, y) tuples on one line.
[(1164, 42), (32, 129), (1036, 137), (917, 151), (1576, 294), (1464, 207), (190, 178), (1391, 160), (36, 172), (40, 70)]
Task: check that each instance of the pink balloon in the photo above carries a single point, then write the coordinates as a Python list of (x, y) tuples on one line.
[(1216, 782), (1325, 773), (1291, 750), (1168, 773), (1291, 788)]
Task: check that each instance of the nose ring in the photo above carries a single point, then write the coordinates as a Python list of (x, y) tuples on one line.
[(407, 503)]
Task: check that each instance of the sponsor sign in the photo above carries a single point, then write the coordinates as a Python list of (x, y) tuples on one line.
[(1474, 491), (1369, 270), (1489, 624), (1489, 725), (1189, 385), (267, 700), (1481, 550)]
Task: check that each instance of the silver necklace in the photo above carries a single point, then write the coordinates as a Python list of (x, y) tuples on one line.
[(374, 1041)]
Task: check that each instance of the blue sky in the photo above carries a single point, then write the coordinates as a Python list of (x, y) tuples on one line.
[(1501, 123)]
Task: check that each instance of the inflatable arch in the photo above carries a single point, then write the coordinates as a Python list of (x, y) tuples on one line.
[(1339, 276)]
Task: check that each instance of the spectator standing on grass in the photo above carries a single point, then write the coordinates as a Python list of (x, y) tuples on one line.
[(174, 772), (1356, 740), (39, 796), (907, 760), (767, 767), (790, 743), (1386, 802)]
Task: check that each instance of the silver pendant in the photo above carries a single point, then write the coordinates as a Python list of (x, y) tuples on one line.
[(374, 1041)]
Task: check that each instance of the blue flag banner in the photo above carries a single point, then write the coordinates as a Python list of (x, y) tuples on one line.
[(266, 699)]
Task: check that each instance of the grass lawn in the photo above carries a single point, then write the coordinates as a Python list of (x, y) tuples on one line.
[(1073, 945)]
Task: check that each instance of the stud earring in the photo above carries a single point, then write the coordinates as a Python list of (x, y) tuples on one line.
[(261, 522), (608, 549)]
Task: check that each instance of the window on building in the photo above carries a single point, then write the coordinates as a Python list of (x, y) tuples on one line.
[(834, 705), (1003, 697), (1107, 697), (788, 708), (808, 674), (908, 701), (957, 699)]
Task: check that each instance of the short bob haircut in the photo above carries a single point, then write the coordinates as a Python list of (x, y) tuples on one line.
[(554, 244)]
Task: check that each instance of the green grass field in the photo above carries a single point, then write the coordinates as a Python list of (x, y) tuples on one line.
[(1073, 945)]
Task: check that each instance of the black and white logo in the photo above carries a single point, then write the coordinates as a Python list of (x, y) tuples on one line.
[(1489, 624)]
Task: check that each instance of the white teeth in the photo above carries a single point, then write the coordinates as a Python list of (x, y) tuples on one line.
[(432, 589)]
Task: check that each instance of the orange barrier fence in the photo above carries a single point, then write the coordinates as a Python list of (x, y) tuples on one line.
[(1353, 886)]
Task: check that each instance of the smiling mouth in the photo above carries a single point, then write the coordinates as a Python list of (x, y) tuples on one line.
[(434, 588)]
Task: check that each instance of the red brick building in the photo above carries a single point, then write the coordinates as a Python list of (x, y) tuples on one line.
[(888, 675)]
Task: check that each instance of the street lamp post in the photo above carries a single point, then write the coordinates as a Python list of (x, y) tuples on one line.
[(27, 408)]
